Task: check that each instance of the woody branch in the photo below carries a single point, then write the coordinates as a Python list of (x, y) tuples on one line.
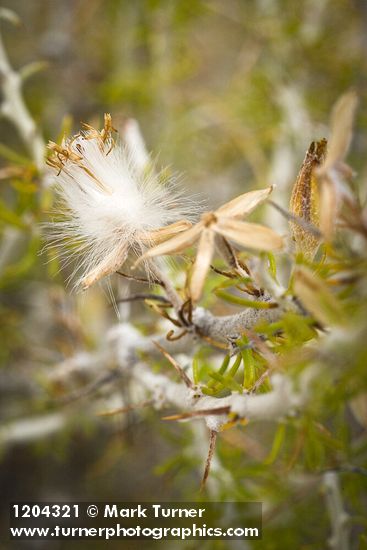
[(14, 108)]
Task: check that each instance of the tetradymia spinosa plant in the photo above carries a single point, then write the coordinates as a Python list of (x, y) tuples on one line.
[(112, 208)]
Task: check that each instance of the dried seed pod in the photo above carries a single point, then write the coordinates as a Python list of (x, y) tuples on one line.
[(304, 201)]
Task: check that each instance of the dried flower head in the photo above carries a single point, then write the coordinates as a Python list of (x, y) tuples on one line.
[(223, 223), (333, 172), (108, 205)]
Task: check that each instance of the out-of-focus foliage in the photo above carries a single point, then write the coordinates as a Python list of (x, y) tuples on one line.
[(231, 94)]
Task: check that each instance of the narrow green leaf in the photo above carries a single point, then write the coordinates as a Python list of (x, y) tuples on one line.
[(9, 217), (222, 369), (245, 301), (272, 265), (236, 365), (226, 382), (236, 281), (277, 444), (195, 370), (8, 154), (249, 368)]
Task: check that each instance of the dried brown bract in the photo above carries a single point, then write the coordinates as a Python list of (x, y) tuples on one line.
[(333, 172), (305, 201), (223, 222)]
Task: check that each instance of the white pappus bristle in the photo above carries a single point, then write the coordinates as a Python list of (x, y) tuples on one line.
[(107, 207)]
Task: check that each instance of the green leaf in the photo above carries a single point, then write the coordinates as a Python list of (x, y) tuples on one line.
[(21, 268), (195, 370), (245, 301), (9, 217), (236, 281), (277, 444), (249, 368), (220, 382), (314, 449), (13, 156), (272, 265), (236, 365), (222, 369), (227, 382)]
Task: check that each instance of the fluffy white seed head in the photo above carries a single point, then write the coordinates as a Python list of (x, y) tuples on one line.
[(107, 205)]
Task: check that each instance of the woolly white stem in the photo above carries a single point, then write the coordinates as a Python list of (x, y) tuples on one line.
[(123, 343), (15, 110), (340, 539), (26, 430), (230, 326), (282, 400)]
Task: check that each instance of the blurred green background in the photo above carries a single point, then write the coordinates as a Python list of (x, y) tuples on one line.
[(228, 93)]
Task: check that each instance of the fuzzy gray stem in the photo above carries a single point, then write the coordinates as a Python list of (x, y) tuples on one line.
[(232, 326), (340, 539), (15, 110)]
